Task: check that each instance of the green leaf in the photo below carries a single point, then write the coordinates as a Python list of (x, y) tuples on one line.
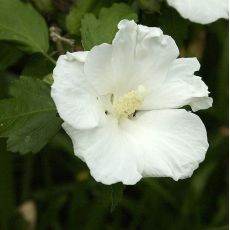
[(21, 23), (73, 19), (29, 118), (5, 79), (116, 195), (102, 30), (9, 55)]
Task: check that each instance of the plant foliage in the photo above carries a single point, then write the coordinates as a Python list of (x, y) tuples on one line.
[(29, 118), (102, 30), (22, 24)]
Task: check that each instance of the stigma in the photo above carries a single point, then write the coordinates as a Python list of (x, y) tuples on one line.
[(127, 105)]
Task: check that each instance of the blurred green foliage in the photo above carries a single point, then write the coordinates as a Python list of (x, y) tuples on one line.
[(102, 30), (57, 183)]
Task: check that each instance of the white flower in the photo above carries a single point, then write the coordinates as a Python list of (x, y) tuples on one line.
[(120, 104), (201, 11)]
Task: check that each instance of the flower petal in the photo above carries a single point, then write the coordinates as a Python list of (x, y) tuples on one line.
[(181, 87), (109, 152), (99, 70), (142, 54), (138, 54), (203, 12), (158, 143), (75, 99), (174, 143)]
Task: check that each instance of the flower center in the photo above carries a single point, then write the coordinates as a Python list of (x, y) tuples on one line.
[(129, 103)]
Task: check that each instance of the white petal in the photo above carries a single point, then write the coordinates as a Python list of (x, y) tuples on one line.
[(201, 11), (181, 87), (138, 54), (108, 151), (99, 70), (142, 54), (75, 99), (174, 143), (158, 143)]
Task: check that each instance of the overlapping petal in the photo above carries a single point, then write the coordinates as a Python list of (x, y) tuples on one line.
[(174, 142), (161, 143), (112, 154), (74, 97), (138, 54), (98, 69), (181, 87), (201, 11)]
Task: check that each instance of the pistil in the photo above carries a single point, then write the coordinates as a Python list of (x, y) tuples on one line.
[(129, 103)]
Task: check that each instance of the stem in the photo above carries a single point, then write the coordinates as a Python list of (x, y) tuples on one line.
[(49, 58)]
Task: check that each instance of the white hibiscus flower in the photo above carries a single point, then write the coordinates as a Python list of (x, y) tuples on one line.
[(201, 11), (120, 105)]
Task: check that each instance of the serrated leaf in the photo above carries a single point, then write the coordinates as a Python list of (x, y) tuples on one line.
[(102, 30), (73, 19), (29, 118), (22, 24), (9, 55)]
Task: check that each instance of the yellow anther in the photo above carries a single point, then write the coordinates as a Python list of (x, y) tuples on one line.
[(129, 103)]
